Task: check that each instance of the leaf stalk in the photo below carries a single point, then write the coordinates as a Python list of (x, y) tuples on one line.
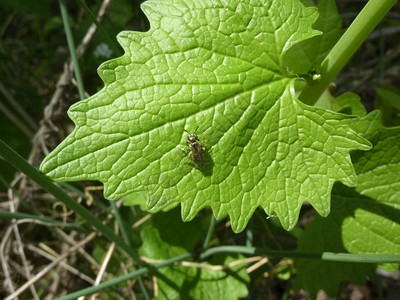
[(351, 40)]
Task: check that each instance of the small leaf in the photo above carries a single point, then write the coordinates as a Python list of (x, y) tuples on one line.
[(135, 199), (215, 65), (347, 103)]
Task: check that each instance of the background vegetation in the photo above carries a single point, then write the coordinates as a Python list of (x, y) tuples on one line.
[(36, 88)]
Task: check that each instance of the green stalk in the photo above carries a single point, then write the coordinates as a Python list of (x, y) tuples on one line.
[(22, 165), (355, 35), (121, 226), (124, 278), (110, 41), (328, 256), (5, 214), (71, 47), (209, 231), (125, 236), (378, 283)]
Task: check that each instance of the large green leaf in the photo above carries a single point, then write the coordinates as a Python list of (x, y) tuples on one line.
[(364, 220), (325, 235), (215, 65), (378, 170)]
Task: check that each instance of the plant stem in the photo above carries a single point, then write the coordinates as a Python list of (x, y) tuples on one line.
[(110, 41), (362, 26), (5, 214), (121, 226), (71, 47), (22, 165), (124, 278), (328, 256), (209, 232)]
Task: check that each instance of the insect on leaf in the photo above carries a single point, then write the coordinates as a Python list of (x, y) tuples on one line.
[(216, 65)]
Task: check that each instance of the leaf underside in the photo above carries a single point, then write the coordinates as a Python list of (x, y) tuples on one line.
[(218, 66)]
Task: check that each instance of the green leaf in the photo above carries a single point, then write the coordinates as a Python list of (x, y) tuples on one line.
[(161, 241), (215, 65), (378, 170), (347, 103), (309, 54), (357, 224), (364, 220), (390, 95), (135, 199), (368, 126), (389, 103), (326, 235)]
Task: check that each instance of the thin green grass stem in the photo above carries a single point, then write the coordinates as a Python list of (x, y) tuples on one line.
[(209, 232), (121, 225), (5, 214), (328, 256), (22, 165), (125, 236), (71, 46), (109, 40), (121, 279)]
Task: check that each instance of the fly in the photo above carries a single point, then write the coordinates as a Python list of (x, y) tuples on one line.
[(195, 147)]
